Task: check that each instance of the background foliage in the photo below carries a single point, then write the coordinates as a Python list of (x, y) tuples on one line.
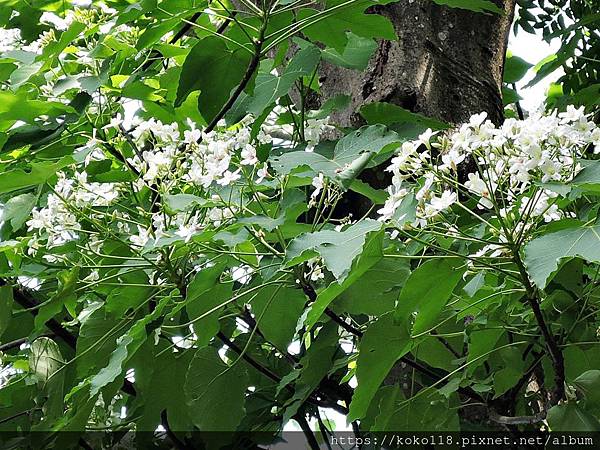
[(190, 267)]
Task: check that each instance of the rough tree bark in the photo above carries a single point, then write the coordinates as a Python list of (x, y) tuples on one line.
[(447, 63)]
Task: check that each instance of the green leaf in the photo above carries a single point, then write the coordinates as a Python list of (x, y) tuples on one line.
[(370, 255), (589, 176), (588, 383), (427, 290), (384, 342), (17, 210), (44, 359), (337, 248), (480, 343), (204, 296), (376, 290), (351, 155), (215, 391), (509, 96), (544, 254), (159, 378), (214, 70), (472, 5), (332, 29), (278, 309), (17, 107), (388, 114), (268, 87), (570, 418), (127, 345), (184, 202), (377, 196), (6, 304), (40, 172), (515, 68), (96, 339), (335, 103), (314, 366), (356, 54)]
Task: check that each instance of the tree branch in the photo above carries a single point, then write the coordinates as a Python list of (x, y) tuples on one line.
[(258, 44), (310, 437)]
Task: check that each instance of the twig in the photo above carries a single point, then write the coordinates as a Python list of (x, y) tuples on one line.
[(243, 83), (165, 423), (310, 437)]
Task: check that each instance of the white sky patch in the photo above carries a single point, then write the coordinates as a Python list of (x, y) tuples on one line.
[(532, 48)]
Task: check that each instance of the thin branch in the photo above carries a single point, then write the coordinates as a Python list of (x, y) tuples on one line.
[(308, 433), (254, 61), (172, 436)]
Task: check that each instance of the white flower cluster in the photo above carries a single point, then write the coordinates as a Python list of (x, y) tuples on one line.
[(217, 156), (313, 130), (509, 160), (9, 39), (158, 144), (57, 221)]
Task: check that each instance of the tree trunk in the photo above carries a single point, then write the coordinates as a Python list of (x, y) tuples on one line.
[(447, 63)]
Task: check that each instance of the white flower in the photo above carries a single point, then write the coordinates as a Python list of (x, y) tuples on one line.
[(9, 39), (242, 274), (477, 120), (229, 177), (452, 159), (262, 173), (572, 114), (140, 239), (425, 137), (248, 156), (57, 22), (392, 203), (93, 276), (476, 185), (439, 204), (318, 182), (315, 269)]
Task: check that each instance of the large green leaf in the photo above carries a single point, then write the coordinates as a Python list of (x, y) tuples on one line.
[(370, 255), (127, 345), (96, 339), (215, 391), (270, 87), (515, 68), (472, 5), (427, 290), (544, 254), (351, 154), (570, 418), (384, 342), (17, 210), (377, 289), (18, 107), (277, 310), (337, 248), (332, 29), (40, 172), (214, 70), (388, 114), (204, 296), (314, 365), (356, 53), (44, 359), (588, 383), (6, 304)]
